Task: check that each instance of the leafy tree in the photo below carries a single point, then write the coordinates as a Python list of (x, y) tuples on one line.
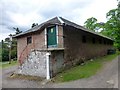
[(14, 49), (112, 26), (6, 49), (91, 23), (17, 30)]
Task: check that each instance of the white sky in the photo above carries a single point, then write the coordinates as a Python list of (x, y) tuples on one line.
[(22, 13)]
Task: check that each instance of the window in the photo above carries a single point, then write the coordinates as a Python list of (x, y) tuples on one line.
[(107, 42), (100, 41), (84, 39), (93, 40), (29, 40), (104, 42)]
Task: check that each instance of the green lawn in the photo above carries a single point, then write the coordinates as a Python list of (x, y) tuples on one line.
[(6, 64), (83, 71)]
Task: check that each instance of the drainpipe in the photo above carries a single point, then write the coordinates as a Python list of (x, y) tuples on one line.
[(47, 65)]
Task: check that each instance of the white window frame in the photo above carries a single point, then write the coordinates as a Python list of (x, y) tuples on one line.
[(57, 33)]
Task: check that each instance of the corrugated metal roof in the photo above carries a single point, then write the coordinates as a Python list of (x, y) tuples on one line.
[(61, 21)]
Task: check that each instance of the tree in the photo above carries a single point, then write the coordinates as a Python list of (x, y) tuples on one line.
[(34, 24), (9, 47), (5, 51), (17, 30), (112, 26), (91, 23)]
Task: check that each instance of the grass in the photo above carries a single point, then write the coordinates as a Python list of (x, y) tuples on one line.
[(0, 64), (6, 64), (90, 68)]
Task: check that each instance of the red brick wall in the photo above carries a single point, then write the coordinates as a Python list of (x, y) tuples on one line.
[(60, 37), (38, 42)]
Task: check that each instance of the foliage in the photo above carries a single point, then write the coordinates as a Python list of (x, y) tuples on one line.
[(91, 23), (17, 30), (10, 46), (5, 51), (111, 28), (34, 24)]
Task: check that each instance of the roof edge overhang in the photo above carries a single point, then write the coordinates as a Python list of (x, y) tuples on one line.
[(32, 30), (60, 21), (91, 32)]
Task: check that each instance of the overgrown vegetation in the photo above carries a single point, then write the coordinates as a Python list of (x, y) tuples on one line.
[(9, 47), (83, 71), (111, 28)]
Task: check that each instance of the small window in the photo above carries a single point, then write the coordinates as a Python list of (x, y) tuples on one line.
[(93, 40), (84, 39), (100, 41), (107, 42), (104, 42), (29, 40)]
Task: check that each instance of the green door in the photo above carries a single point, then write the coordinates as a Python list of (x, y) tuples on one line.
[(51, 36)]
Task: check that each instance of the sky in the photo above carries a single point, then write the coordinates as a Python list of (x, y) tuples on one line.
[(22, 13)]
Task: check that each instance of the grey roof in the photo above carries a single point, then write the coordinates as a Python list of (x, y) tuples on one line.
[(59, 21), (82, 28), (38, 27)]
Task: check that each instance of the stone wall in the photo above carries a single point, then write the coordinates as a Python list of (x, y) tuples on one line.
[(56, 62), (34, 65)]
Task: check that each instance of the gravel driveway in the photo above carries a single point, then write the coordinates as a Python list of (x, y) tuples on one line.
[(16, 83), (107, 77)]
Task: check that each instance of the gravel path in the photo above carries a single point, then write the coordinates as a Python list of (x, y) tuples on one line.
[(16, 83), (107, 77)]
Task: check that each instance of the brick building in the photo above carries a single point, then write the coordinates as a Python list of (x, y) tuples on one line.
[(58, 44)]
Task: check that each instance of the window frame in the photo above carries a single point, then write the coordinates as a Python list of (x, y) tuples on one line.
[(93, 40), (29, 40)]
